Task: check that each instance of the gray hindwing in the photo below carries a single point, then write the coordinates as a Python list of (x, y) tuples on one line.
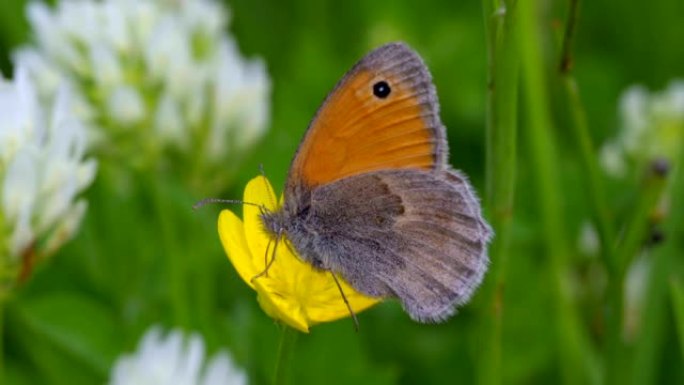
[(411, 234)]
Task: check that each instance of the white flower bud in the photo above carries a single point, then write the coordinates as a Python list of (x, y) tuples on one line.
[(652, 128)]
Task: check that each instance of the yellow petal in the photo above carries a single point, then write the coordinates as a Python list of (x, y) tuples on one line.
[(258, 191), (292, 290), (281, 307), (232, 235), (323, 312)]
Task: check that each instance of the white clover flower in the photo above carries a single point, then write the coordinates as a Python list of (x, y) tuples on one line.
[(152, 74), (652, 128), (42, 172), (175, 359)]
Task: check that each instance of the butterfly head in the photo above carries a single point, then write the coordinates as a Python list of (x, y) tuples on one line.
[(274, 222)]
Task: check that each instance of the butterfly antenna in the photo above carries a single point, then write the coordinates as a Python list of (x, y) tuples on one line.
[(263, 174), (207, 201), (263, 211), (270, 263), (346, 302)]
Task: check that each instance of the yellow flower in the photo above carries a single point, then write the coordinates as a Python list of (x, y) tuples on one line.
[(292, 291)]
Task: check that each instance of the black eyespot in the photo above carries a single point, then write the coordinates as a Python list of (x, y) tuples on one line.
[(381, 89)]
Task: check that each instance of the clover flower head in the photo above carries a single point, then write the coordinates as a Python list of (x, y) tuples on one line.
[(154, 79), (175, 359), (43, 169), (652, 127), (292, 291)]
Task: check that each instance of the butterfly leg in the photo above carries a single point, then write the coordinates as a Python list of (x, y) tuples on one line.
[(267, 262), (346, 302)]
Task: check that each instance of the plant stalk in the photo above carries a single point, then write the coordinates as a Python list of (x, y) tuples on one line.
[(288, 339), (176, 261), (633, 240), (648, 350), (501, 141), (575, 357), (2, 340)]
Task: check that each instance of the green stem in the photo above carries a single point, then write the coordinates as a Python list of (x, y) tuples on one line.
[(629, 246), (178, 277), (638, 225), (677, 299), (502, 106), (649, 345), (2, 340), (597, 196), (4, 301), (581, 130), (288, 338), (596, 191), (575, 356)]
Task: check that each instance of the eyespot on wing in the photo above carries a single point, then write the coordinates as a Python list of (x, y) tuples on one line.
[(384, 114)]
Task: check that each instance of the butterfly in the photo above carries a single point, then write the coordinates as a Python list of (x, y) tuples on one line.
[(370, 195)]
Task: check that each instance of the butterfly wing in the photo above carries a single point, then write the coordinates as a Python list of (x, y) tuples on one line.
[(383, 114), (411, 234)]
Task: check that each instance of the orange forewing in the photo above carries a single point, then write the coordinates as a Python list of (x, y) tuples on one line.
[(356, 132)]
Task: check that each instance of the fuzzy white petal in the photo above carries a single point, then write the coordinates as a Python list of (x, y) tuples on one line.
[(174, 359), (42, 167), (126, 105)]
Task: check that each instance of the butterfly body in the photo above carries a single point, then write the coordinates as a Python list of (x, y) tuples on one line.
[(370, 195)]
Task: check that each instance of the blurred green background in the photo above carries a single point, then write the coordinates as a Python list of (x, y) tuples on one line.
[(143, 257)]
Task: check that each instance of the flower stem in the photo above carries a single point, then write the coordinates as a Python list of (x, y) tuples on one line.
[(2, 340), (581, 130), (629, 246), (638, 225), (176, 260), (597, 196), (649, 345), (677, 299), (288, 338), (575, 359), (501, 171)]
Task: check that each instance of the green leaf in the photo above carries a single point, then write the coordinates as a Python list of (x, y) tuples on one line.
[(76, 325), (677, 296)]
